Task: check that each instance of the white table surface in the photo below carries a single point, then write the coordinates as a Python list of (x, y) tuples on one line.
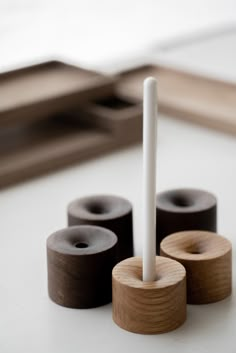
[(188, 156)]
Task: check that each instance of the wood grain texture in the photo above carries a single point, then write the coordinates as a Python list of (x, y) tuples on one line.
[(149, 307), (185, 209), (207, 258), (183, 95), (80, 261), (108, 211)]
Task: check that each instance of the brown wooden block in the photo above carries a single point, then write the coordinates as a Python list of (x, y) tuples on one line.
[(207, 258), (108, 211), (80, 261), (187, 96), (149, 307), (43, 90), (116, 113), (185, 209)]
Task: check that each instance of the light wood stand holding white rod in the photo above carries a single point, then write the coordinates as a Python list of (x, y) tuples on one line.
[(149, 294)]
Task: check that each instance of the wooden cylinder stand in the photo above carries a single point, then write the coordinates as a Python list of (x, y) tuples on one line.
[(149, 307), (111, 212), (207, 258), (80, 261), (185, 209)]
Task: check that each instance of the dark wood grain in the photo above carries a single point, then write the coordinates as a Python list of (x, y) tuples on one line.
[(108, 211), (185, 209), (80, 261)]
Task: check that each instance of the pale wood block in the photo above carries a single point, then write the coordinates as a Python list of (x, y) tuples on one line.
[(149, 307), (207, 258)]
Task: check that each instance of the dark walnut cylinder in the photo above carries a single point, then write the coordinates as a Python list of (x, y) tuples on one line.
[(207, 258), (185, 209), (80, 261), (149, 307), (111, 212)]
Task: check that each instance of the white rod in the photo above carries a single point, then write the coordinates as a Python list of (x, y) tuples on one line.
[(149, 178)]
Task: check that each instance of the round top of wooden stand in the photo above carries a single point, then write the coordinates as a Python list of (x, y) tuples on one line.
[(195, 245), (81, 240), (185, 200), (99, 207), (129, 273)]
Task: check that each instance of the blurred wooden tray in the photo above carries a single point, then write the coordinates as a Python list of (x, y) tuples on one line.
[(43, 146), (39, 91), (104, 121), (43, 126), (195, 98)]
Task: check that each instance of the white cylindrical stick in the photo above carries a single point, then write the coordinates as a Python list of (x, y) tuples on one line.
[(149, 178)]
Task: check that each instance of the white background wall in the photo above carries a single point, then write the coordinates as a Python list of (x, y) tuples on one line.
[(92, 32)]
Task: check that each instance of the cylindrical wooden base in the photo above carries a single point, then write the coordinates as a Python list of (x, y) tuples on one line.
[(149, 307), (185, 209), (80, 261), (111, 212), (207, 259)]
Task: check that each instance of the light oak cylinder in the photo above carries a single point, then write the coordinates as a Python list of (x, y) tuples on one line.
[(149, 307), (207, 258)]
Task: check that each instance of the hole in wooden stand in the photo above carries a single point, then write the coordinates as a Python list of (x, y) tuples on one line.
[(114, 102), (195, 249), (81, 245), (97, 208), (195, 252), (181, 201)]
